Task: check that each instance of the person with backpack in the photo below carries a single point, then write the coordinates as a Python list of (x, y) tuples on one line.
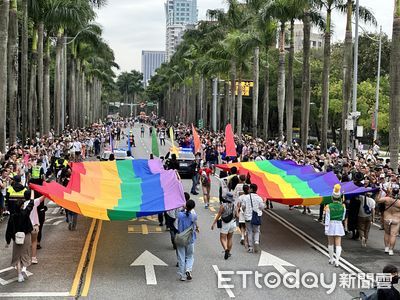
[(187, 229), (205, 180), (228, 224), (19, 230), (252, 206), (366, 215)]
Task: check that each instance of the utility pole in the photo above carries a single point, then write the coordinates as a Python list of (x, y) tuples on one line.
[(377, 86)]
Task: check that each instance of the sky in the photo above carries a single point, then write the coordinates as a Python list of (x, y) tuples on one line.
[(130, 26)]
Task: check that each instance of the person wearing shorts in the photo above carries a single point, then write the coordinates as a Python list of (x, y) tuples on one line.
[(227, 214)]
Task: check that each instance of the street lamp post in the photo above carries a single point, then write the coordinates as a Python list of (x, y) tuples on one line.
[(355, 81), (377, 86), (214, 104)]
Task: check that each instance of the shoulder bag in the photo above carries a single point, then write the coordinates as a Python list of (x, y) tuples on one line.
[(183, 238), (255, 218)]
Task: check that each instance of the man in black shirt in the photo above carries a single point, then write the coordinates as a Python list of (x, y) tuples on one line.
[(390, 293)]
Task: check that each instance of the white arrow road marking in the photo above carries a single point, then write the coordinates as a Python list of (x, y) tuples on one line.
[(148, 260), (267, 259)]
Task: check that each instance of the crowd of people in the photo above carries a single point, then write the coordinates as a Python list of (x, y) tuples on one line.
[(47, 158), (33, 162)]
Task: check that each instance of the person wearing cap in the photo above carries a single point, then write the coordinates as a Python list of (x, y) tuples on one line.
[(14, 193), (334, 216), (227, 214)]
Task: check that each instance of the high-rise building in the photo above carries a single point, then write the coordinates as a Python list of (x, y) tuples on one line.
[(180, 14), (316, 38), (151, 61)]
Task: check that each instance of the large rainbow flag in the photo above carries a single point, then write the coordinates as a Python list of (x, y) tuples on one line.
[(117, 190), (288, 183)]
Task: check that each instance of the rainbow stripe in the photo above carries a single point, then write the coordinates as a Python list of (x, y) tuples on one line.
[(117, 190), (288, 183)]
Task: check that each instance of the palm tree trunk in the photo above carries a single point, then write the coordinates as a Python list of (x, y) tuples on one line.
[(256, 78), (32, 104), (46, 88), (226, 104), (305, 106), (64, 83), (325, 83), (58, 83), (281, 80), (266, 99), (347, 68), (77, 93), (290, 89), (233, 95), (394, 112), (71, 94), (239, 106), (83, 98), (24, 70), (12, 75), (40, 75), (4, 17)]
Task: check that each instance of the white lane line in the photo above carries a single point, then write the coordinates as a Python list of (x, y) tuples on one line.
[(346, 265), (35, 294), (227, 289)]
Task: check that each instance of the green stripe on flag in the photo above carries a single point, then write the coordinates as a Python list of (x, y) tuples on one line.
[(154, 144), (131, 193)]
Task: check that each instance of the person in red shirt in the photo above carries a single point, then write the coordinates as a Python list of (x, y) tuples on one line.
[(205, 180)]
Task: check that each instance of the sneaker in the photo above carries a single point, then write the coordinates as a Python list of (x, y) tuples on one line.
[(226, 256), (188, 275), (34, 260), (250, 250), (331, 261), (363, 242), (381, 228), (206, 206), (242, 242), (256, 248), (21, 278), (386, 249), (390, 252), (24, 274), (182, 278)]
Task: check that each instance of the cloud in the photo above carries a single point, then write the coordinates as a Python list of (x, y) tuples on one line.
[(131, 26)]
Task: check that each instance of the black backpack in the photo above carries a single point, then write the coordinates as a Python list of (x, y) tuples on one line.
[(229, 217)]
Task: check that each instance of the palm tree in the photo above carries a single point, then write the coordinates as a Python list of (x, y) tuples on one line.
[(4, 16), (280, 12), (12, 75), (310, 15), (330, 6), (264, 30), (394, 117), (24, 70), (32, 104)]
